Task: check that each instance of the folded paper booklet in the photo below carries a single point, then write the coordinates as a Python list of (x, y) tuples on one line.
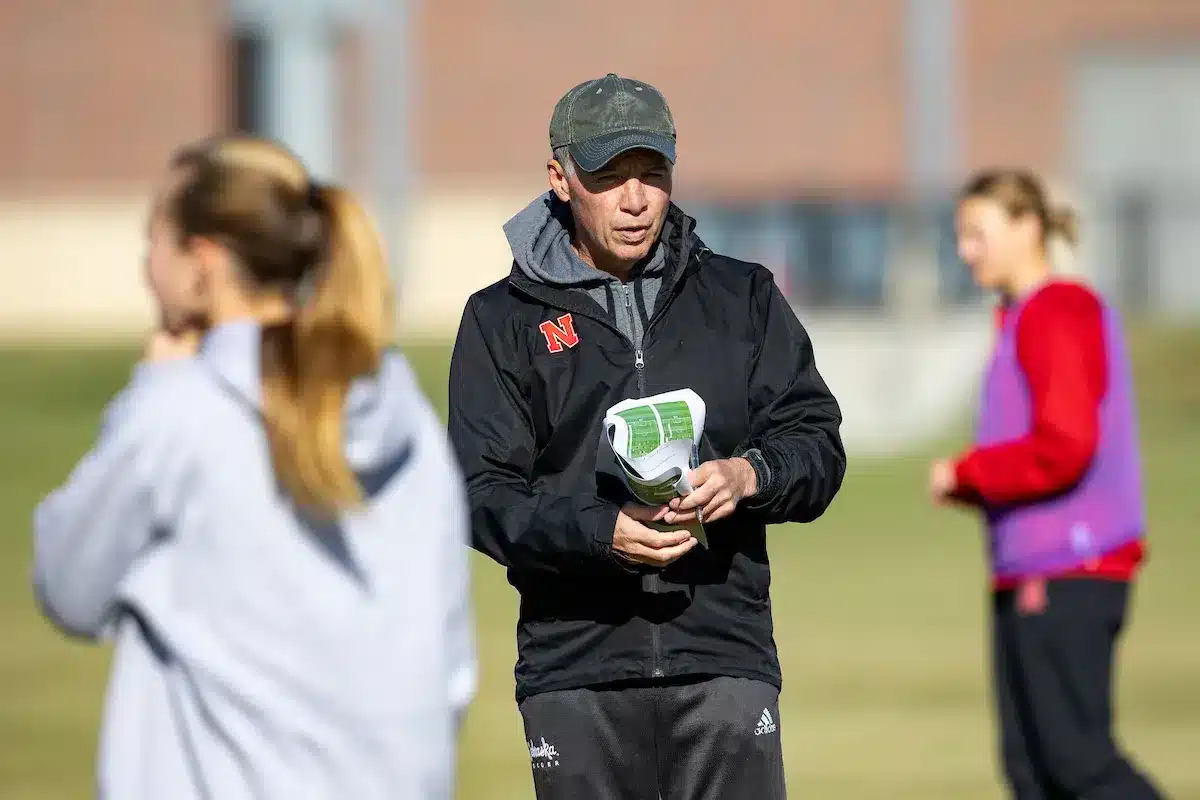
[(656, 441)]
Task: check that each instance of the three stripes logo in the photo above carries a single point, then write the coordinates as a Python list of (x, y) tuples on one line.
[(765, 724)]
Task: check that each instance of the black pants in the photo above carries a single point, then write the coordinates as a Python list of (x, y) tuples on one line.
[(1053, 675), (712, 739)]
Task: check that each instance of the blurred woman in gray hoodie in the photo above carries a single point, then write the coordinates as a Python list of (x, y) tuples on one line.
[(271, 526)]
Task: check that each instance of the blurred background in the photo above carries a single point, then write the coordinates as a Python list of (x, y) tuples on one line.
[(820, 138)]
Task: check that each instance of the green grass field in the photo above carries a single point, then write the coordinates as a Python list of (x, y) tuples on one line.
[(879, 612)]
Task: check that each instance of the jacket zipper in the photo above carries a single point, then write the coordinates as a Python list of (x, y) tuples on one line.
[(639, 363), (639, 357)]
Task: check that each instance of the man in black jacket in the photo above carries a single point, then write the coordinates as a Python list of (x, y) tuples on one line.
[(647, 665)]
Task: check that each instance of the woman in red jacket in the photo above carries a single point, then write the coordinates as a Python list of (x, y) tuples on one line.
[(1055, 471)]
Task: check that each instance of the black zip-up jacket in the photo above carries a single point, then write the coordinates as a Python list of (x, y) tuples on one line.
[(526, 405)]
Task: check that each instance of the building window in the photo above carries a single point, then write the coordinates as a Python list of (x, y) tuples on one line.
[(831, 252)]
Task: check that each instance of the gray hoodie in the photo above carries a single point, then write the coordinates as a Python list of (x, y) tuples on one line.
[(540, 239), (260, 655)]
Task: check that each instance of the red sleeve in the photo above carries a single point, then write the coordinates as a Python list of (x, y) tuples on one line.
[(1060, 347)]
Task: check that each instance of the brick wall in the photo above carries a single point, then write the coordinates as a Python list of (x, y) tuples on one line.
[(764, 93), (95, 93), (768, 96), (1017, 59)]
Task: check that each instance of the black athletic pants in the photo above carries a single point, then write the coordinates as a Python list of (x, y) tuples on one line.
[(1053, 675), (711, 739)]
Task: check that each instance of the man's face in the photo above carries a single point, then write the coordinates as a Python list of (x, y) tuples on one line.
[(619, 209)]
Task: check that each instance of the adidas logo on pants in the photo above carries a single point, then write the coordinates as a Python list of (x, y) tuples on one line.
[(765, 724)]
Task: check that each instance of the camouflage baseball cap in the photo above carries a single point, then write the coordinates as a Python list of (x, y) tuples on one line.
[(602, 118)]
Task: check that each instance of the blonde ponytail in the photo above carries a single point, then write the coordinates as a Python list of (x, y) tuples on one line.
[(339, 331), (1063, 222), (316, 244)]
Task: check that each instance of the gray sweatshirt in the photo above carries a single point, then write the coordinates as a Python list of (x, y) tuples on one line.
[(540, 239), (259, 655)]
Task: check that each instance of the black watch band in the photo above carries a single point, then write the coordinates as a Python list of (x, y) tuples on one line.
[(762, 472)]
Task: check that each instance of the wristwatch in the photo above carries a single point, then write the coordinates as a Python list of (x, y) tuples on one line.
[(762, 471)]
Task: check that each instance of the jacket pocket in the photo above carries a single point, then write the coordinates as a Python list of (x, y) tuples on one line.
[(756, 577), (737, 578)]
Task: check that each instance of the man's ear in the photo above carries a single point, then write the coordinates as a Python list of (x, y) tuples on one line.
[(559, 184)]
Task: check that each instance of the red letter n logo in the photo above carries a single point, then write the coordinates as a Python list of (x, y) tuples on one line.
[(561, 334)]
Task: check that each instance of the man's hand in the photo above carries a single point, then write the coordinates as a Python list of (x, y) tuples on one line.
[(634, 541), (717, 488)]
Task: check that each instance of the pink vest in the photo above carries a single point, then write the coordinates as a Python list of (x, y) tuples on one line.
[(1105, 509)]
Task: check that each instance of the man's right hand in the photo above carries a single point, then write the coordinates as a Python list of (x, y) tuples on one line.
[(634, 541)]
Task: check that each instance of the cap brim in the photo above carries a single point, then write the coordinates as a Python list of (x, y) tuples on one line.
[(592, 154)]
